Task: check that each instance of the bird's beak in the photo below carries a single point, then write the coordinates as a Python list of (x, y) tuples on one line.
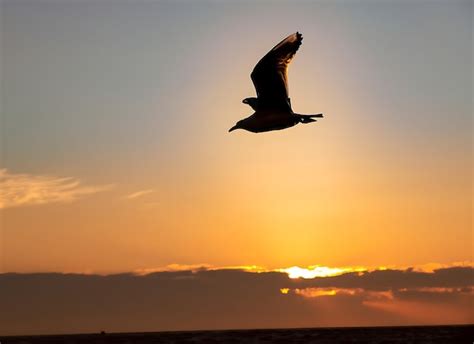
[(244, 101), (233, 128)]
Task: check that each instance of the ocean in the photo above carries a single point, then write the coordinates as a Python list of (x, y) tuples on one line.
[(402, 334)]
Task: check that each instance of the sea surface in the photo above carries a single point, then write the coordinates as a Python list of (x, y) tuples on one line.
[(412, 334)]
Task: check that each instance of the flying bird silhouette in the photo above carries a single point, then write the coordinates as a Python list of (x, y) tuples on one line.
[(270, 78)]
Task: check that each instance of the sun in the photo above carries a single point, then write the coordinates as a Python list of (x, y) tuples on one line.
[(317, 271)]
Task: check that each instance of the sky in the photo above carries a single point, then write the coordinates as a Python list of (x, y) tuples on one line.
[(115, 155)]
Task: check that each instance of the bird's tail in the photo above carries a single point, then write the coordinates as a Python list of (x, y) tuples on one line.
[(309, 118)]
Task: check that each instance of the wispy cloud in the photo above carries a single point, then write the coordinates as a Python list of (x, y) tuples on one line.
[(21, 189), (139, 193)]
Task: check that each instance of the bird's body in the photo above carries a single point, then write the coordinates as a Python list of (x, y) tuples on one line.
[(272, 106), (264, 120)]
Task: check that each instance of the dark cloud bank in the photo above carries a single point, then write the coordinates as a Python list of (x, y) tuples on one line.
[(222, 299)]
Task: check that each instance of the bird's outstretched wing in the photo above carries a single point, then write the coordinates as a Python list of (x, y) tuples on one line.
[(270, 75)]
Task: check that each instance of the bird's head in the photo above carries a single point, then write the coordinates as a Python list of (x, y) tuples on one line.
[(252, 102), (238, 125)]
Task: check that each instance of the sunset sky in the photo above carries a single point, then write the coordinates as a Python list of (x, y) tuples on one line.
[(115, 155)]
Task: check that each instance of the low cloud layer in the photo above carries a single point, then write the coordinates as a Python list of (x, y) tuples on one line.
[(230, 298), (26, 189)]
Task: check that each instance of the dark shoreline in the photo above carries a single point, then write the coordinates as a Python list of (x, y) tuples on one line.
[(380, 334)]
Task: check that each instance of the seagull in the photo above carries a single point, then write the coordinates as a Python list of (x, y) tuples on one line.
[(270, 77)]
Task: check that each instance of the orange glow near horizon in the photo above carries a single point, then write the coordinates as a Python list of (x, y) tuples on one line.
[(371, 296), (316, 292)]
